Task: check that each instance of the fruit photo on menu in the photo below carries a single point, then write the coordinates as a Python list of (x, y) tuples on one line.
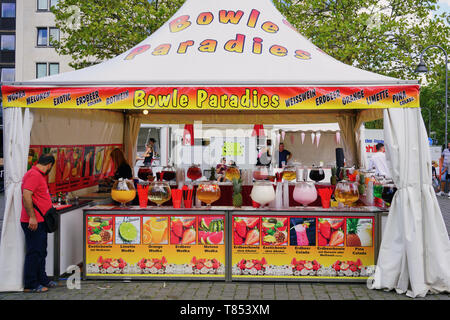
[(155, 230), (246, 230), (128, 230), (211, 230), (302, 231), (359, 232), (274, 231), (183, 230), (99, 230), (331, 232)]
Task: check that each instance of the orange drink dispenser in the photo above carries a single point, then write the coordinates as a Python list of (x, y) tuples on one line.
[(123, 191)]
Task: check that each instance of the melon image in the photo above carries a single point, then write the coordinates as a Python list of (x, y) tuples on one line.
[(215, 238), (202, 235)]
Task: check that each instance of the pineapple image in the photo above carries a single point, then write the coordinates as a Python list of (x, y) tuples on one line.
[(353, 239), (333, 178), (212, 177), (237, 192)]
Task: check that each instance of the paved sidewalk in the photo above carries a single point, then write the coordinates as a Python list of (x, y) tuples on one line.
[(208, 290), (198, 290)]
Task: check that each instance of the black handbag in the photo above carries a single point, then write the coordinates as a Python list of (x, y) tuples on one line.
[(50, 219)]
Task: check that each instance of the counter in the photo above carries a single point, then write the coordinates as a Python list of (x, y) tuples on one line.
[(231, 244), (65, 245)]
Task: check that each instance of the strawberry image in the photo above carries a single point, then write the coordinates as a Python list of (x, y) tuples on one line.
[(158, 265), (188, 222), (237, 239), (252, 237), (188, 237), (258, 266), (325, 229), (344, 266), (174, 239), (353, 267), (336, 223), (177, 228), (358, 262), (299, 267), (252, 222), (241, 229), (321, 241), (308, 265), (337, 238)]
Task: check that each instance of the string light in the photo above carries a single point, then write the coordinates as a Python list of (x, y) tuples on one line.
[(145, 112)]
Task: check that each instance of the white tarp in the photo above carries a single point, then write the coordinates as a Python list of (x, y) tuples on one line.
[(415, 250), (16, 143), (262, 49)]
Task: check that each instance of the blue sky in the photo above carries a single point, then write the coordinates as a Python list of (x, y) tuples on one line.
[(444, 6)]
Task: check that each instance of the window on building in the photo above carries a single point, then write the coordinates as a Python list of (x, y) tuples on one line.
[(41, 70), (54, 35), (53, 68), (8, 42), (45, 5), (46, 35), (44, 69), (8, 10), (42, 37), (8, 74)]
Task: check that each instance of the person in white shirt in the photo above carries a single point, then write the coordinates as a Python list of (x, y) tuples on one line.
[(445, 170), (378, 161)]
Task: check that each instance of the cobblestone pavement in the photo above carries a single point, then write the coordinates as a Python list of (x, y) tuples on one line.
[(208, 290)]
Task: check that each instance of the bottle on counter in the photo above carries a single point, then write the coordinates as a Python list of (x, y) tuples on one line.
[(369, 193), (285, 194)]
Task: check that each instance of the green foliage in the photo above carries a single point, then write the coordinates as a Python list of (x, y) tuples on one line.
[(96, 30), (432, 98), (385, 37)]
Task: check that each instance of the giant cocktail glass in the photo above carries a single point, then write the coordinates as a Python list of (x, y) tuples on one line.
[(123, 191), (304, 193), (159, 192), (194, 172), (289, 173), (346, 192), (262, 192), (208, 192), (232, 172)]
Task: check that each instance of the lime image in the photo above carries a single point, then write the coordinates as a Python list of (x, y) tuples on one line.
[(128, 231)]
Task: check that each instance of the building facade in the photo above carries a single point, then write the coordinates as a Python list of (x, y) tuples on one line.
[(35, 31)]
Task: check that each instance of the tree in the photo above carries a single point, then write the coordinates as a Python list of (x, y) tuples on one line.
[(385, 37), (432, 103), (96, 30)]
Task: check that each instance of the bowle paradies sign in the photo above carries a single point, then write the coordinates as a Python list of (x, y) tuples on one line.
[(235, 45), (212, 98)]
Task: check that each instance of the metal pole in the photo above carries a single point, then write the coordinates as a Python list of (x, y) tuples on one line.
[(446, 86)]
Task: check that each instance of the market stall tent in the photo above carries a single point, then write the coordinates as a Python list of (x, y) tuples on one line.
[(242, 62)]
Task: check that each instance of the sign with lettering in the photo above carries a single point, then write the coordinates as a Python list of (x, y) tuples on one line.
[(145, 245), (302, 247), (213, 98)]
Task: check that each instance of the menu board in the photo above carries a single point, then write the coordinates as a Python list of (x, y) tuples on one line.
[(155, 245), (76, 166), (302, 247)]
